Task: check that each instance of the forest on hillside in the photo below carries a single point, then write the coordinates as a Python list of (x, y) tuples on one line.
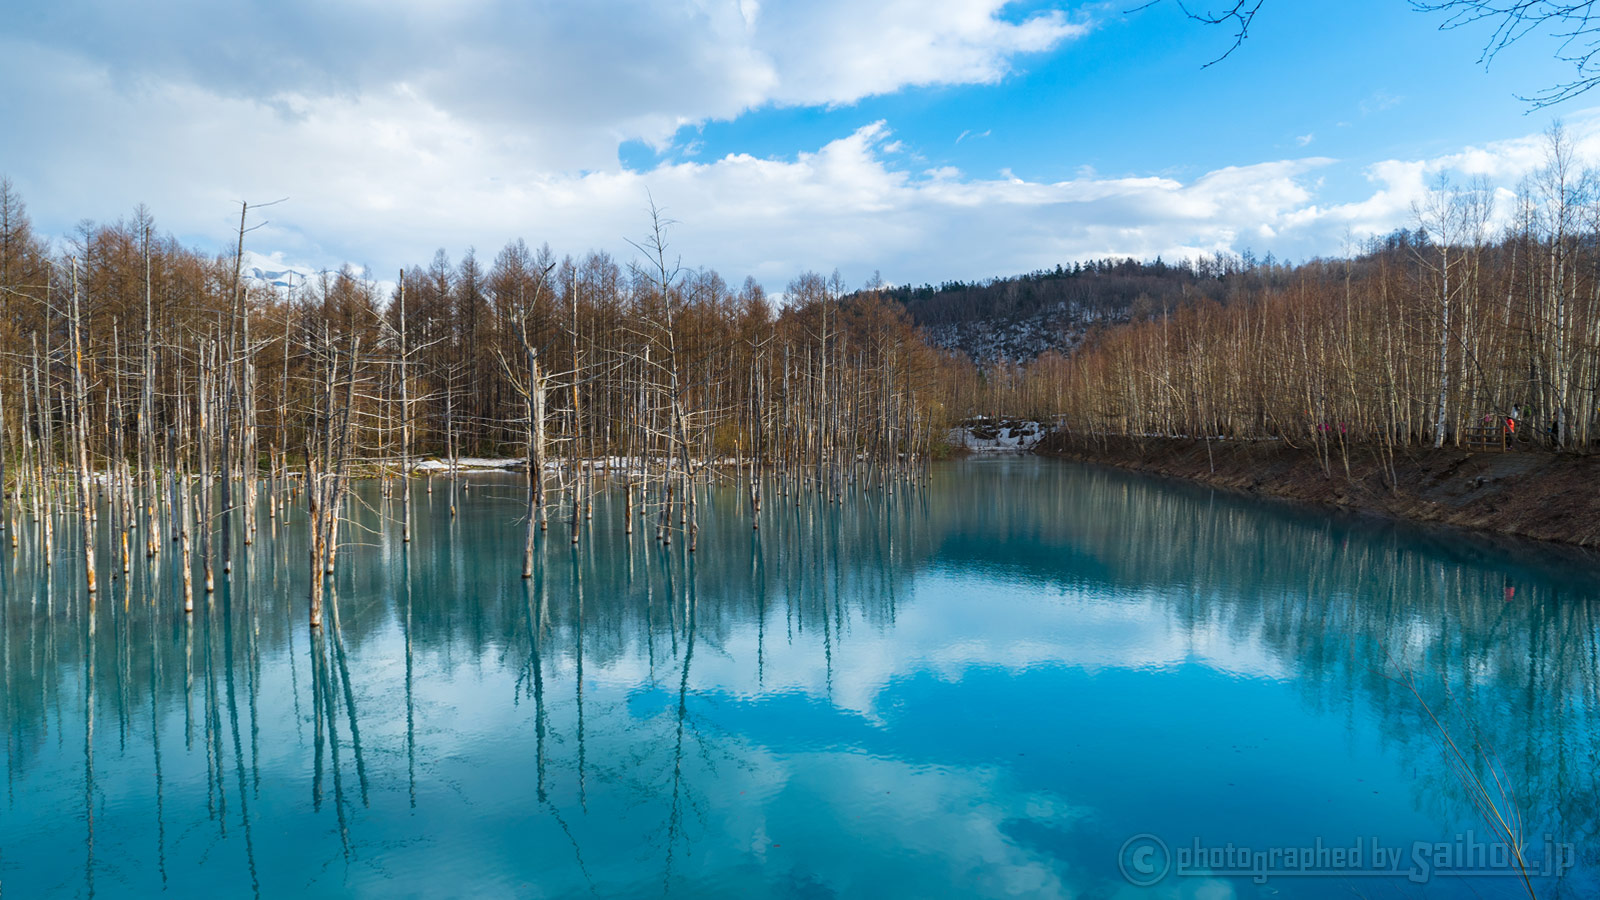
[(1459, 331), (1014, 320), (1111, 288)]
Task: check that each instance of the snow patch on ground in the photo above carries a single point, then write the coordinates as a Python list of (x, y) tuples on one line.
[(985, 435), (611, 463), (467, 463)]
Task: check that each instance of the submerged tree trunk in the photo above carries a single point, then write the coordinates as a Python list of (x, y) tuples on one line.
[(80, 402)]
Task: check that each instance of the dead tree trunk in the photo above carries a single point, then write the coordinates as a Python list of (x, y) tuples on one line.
[(228, 391), (147, 449), (203, 437), (80, 399), (405, 424)]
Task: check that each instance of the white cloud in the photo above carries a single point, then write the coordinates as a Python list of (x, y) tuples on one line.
[(395, 128), (839, 52), (1400, 183), (384, 160), (565, 81)]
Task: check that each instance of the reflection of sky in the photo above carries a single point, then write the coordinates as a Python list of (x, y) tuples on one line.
[(951, 624), (999, 734)]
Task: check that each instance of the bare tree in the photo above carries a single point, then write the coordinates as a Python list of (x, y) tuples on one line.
[(1574, 26)]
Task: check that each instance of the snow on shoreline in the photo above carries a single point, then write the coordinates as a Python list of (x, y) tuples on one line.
[(468, 463), (435, 465), (985, 435)]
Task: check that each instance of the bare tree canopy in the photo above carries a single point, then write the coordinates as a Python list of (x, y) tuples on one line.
[(1240, 16), (1572, 25)]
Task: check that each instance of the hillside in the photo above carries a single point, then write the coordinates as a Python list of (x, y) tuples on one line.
[(1018, 318)]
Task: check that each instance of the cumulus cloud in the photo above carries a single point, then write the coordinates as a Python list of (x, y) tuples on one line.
[(569, 79), (1398, 184), (399, 128)]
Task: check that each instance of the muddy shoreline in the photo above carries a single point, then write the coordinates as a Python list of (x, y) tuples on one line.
[(1534, 494)]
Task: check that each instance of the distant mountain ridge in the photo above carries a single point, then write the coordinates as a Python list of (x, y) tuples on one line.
[(274, 272)]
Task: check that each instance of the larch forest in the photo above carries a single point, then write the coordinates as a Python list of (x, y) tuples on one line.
[(155, 385)]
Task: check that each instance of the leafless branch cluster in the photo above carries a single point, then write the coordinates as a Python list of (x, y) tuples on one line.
[(1574, 26)]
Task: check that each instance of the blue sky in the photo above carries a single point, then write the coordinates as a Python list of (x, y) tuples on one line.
[(924, 139), (1134, 97)]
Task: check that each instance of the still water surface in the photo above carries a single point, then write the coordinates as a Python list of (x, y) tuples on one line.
[(981, 689)]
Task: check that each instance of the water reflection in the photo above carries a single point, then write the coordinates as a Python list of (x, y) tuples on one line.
[(977, 688)]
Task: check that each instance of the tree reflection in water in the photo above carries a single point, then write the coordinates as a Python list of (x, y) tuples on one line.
[(678, 699)]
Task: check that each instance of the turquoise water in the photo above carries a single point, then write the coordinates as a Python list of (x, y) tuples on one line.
[(988, 688)]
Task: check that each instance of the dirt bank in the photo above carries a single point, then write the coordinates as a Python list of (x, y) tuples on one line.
[(1535, 494)]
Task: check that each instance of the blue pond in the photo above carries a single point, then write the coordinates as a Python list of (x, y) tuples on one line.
[(1025, 679)]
